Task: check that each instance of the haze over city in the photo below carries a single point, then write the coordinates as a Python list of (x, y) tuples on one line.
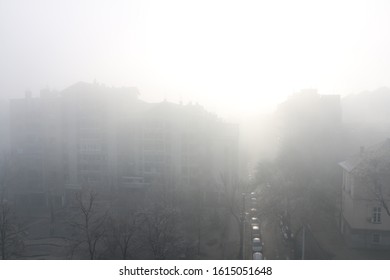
[(236, 58), (194, 130)]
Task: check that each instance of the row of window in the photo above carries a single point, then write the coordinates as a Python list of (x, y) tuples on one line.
[(90, 147), (376, 238), (376, 216), (90, 157), (90, 167)]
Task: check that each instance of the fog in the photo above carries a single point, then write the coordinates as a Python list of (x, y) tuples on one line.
[(235, 58), (194, 130)]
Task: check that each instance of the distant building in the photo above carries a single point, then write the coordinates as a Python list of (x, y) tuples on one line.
[(365, 217), (35, 148), (366, 118), (308, 115), (105, 137), (4, 125), (4, 138), (309, 130), (91, 119)]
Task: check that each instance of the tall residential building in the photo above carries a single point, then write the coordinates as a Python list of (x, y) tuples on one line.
[(309, 115), (36, 148), (4, 136), (310, 128), (107, 138), (4, 133)]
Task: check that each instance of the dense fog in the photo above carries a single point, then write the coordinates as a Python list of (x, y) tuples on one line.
[(95, 172), (194, 130)]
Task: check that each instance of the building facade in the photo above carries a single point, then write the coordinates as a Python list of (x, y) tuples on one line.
[(308, 121), (109, 139), (365, 201), (35, 149)]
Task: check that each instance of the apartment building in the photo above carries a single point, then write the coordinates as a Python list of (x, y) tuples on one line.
[(109, 139), (34, 166)]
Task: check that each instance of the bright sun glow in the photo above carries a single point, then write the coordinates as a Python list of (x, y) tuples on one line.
[(237, 58), (244, 57)]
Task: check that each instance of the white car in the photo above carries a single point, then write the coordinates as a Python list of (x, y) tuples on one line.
[(255, 232), (255, 221), (257, 245), (257, 256)]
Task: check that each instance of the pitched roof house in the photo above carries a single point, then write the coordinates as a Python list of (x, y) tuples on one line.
[(365, 201)]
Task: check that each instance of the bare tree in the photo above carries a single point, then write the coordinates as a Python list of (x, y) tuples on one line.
[(159, 231), (88, 222), (161, 226), (374, 173), (11, 233), (377, 189), (234, 202), (274, 190), (122, 234)]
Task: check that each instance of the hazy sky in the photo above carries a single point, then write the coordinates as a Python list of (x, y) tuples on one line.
[(234, 57)]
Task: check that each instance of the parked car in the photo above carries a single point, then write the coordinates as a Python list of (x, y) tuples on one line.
[(257, 245), (286, 232), (257, 256), (253, 201), (255, 221), (254, 195), (255, 232)]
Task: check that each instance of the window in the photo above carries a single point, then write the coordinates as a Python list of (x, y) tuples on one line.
[(376, 238), (348, 185), (344, 179), (376, 215)]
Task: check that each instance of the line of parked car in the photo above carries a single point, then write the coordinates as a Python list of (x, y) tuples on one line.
[(285, 230), (257, 243)]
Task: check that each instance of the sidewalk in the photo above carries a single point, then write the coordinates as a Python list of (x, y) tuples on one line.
[(275, 248)]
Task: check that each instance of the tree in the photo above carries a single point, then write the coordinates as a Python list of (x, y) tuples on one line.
[(11, 233), (122, 234), (374, 174), (161, 226), (272, 185), (88, 222), (234, 204)]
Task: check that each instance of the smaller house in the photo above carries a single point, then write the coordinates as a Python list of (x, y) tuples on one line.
[(365, 201)]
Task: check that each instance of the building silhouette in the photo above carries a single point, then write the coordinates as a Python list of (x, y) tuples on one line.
[(109, 139)]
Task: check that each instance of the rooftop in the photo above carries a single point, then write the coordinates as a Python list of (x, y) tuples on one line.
[(374, 157)]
